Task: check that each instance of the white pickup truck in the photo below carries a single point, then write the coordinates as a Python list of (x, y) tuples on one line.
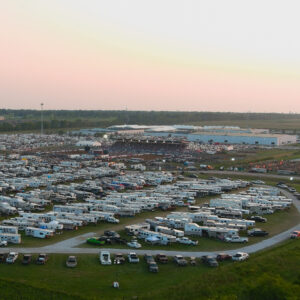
[(236, 239), (186, 241)]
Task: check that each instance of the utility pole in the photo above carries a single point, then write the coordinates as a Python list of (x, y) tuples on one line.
[(42, 119)]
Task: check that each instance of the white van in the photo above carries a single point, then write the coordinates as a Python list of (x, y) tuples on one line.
[(104, 258)]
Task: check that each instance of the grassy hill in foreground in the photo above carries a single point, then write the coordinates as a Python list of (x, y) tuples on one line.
[(272, 274)]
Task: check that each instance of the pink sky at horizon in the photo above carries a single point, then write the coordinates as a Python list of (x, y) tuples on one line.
[(171, 55)]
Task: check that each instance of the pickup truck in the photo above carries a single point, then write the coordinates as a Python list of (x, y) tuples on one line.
[(180, 261), (134, 244), (133, 258), (240, 256), (258, 219), (236, 239), (153, 267), (96, 241), (3, 243), (186, 241), (42, 259), (162, 258), (12, 257), (295, 234)]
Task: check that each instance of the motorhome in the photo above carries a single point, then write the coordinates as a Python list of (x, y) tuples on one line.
[(39, 232)]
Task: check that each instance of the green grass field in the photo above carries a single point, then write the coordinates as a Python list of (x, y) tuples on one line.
[(258, 156), (271, 272)]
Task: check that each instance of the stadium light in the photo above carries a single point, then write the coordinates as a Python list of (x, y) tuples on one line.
[(42, 119)]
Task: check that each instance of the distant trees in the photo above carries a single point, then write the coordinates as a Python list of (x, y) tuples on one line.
[(17, 120)]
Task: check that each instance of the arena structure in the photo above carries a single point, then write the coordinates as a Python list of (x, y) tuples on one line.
[(199, 134), (153, 145)]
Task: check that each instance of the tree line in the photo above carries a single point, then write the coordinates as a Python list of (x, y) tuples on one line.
[(23, 120)]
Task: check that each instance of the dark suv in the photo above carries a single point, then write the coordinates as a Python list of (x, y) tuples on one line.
[(162, 258), (119, 259), (42, 259), (257, 232), (210, 261), (223, 256), (26, 259), (258, 219)]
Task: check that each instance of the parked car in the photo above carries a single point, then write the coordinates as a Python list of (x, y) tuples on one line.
[(134, 244), (186, 241), (133, 258), (3, 243), (148, 258), (119, 259), (258, 219), (209, 260), (26, 259), (281, 185), (180, 261), (292, 190), (240, 256), (71, 262), (96, 241), (223, 256), (257, 232), (258, 182), (153, 267), (162, 258), (295, 234), (192, 175), (236, 239), (111, 233), (42, 259), (119, 241), (297, 195), (3, 257), (12, 257), (193, 261), (104, 257)]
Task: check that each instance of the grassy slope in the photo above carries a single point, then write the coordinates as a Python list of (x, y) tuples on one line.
[(259, 156), (271, 274), (278, 269)]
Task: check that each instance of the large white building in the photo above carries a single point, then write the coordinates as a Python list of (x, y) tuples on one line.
[(228, 135)]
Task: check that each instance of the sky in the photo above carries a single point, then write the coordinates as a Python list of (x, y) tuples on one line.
[(188, 55)]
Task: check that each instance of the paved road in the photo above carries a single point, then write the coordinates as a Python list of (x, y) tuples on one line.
[(265, 175), (69, 246)]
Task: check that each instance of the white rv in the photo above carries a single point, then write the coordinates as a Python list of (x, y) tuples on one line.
[(39, 232)]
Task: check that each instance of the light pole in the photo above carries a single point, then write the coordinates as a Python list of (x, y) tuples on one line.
[(42, 119)]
